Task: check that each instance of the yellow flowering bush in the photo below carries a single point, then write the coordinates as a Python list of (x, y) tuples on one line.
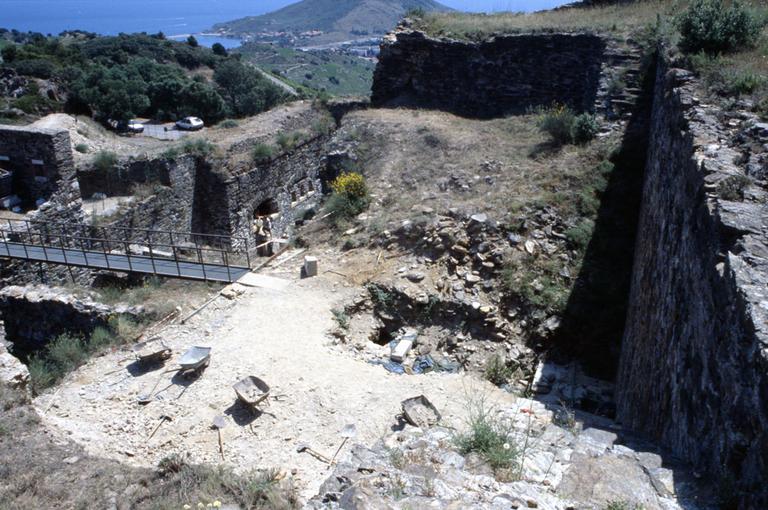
[(350, 197), (351, 184)]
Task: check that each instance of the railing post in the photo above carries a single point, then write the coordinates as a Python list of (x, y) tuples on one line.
[(200, 257), (128, 254), (151, 253), (247, 253), (175, 257), (8, 248), (43, 240), (85, 254), (226, 262), (106, 248)]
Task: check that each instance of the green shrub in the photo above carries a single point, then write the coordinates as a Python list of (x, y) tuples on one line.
[(580, 235), (733, 187), (557, 122), (715, 26), (341, 317), (622, 505), (198, 147), (229, 123), (497, 371), (262, 153), (42, 374), (288, 141), (105, 161), (102, 337), (490, 437), (584, 128), (67, 352), (81, 148), (744, 82)]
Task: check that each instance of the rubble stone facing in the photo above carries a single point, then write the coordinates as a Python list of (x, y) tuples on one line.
[(293, 180), (41, 160), (694, 365), (36, 314), (62, 193), (506, 74)]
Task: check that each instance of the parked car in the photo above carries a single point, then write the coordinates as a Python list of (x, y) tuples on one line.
[(126, 126), (190, 124)]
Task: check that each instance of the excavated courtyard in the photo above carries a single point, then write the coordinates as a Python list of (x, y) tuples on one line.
[(277, 334)]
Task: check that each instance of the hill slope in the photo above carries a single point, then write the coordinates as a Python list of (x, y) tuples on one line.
[(337, 74), (338, 20)]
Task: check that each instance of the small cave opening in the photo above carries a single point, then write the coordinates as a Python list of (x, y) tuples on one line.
[(268, 207)]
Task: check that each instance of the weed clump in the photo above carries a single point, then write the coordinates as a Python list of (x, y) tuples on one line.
[(489, 437), (288, 141), (733, 187), (497, 371), (105, 161), (564, 126), (67, 352), (262, 153), (193, 485)]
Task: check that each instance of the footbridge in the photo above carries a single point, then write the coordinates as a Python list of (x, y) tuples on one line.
[(185, 255)]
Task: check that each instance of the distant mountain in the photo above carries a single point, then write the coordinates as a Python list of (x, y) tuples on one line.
[(327, 21)]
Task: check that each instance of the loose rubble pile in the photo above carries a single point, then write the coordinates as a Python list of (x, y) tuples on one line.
[(568, 461), (451, 287)]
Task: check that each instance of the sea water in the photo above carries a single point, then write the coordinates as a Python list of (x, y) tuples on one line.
[(175, 18)]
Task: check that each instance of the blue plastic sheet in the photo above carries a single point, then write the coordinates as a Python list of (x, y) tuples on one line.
[(390, 366), (423, 364)]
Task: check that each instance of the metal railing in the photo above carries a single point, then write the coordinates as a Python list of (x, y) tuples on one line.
[(143, 249)]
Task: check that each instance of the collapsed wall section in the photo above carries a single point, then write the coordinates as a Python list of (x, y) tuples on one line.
[(507, 74), (693, 372)]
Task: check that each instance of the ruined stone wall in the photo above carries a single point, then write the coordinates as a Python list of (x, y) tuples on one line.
[(40, 159), (171, 207), (35, 315), (43, 167), (292, 180), (504, 75), (694, 364), (124, 177)]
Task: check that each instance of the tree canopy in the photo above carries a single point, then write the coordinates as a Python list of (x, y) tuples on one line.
[(128, 76)]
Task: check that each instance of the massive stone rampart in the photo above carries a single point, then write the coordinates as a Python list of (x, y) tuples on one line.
[(504, 75), (694, 365)]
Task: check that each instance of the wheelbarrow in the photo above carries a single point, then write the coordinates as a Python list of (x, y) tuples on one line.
[(194, 359), (420, 412), (251, 391), (152, 351)]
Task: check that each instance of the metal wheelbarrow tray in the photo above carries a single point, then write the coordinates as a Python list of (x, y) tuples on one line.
[(420, 412), (251, 391), (151, 351), (195, 358)]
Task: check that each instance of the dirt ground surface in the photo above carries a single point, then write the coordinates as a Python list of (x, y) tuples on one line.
[(93, 137), (280, 336)]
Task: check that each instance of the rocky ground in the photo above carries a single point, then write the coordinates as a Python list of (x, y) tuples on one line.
[(566, 461), (281, 331)]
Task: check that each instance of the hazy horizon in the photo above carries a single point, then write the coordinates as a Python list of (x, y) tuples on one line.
[(175, 17)]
